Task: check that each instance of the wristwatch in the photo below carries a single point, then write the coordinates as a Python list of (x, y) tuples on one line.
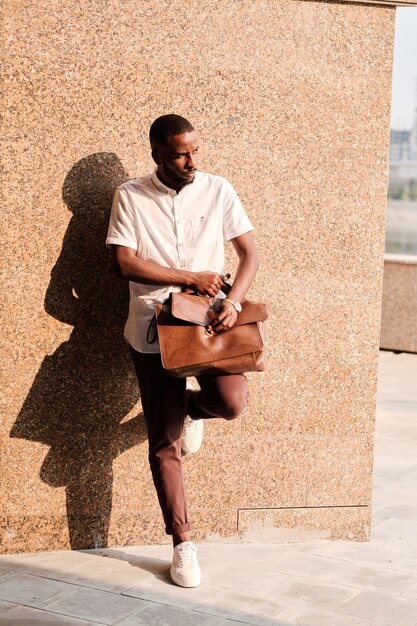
[(235, 303)]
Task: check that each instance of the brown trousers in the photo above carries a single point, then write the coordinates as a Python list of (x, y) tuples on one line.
[(165, 403)]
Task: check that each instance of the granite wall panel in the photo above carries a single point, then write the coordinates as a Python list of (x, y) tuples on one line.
[(292, 102), (399, 303), (292, 525)]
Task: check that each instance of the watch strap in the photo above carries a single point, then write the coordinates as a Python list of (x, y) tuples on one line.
[(234, 302)]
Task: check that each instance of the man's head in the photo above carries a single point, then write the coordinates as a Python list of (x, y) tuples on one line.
[(174, 146)]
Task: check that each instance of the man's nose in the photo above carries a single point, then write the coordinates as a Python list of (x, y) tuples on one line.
[(191, 161)]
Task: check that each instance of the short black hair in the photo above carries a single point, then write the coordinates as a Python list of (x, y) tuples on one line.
[(168, 125)]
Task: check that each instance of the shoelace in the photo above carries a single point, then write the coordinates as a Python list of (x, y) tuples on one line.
[(190, 425), (186, 555)]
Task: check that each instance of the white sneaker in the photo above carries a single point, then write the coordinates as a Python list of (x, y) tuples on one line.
[(192, 435), (185, 570)]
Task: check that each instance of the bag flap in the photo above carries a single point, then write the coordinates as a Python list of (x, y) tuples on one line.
[(183, 344), (191, 308), (201, 310)]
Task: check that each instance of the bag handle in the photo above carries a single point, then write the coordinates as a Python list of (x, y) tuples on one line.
[(226, 287)]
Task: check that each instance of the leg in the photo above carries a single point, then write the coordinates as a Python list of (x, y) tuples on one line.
[(219, 396), (164, 407)]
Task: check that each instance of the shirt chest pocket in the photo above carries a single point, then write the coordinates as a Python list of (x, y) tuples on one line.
[(202, 230)]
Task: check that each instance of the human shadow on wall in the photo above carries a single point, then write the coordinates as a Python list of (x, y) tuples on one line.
[(87, 386)]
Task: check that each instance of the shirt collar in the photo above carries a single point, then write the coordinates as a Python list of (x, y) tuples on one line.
[(161, 187)]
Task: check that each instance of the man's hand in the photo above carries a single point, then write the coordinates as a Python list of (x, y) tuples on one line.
[(226, 318), (207, 283)]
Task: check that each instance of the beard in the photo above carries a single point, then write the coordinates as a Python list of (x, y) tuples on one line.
[(178, 178)]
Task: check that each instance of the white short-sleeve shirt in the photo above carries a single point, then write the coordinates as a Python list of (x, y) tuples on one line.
[(184, 230)]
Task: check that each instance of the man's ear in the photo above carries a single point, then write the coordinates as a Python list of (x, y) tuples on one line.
[(156, 157)]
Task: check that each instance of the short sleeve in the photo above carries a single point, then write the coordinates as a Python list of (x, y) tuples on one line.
[(121, 231), (235, 220)]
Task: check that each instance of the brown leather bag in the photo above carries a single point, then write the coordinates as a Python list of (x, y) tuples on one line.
[(189, 347)]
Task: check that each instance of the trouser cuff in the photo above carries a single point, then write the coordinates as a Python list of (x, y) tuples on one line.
[(178, 529)]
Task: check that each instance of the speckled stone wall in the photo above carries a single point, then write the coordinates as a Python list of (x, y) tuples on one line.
[(399, 303), (292, 100)]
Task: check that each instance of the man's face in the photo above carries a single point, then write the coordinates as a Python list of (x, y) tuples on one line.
[(177, 159)]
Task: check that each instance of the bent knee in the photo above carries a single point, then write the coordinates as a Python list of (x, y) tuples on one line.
[(235, 405)]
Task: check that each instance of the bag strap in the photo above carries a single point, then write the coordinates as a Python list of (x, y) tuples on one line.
[(226, 287), (152, 331)]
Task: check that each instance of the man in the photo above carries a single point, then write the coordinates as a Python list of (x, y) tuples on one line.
[(167, 232)]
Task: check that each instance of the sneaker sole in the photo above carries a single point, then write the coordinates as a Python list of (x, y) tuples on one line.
[(185, 582), (188, 450)]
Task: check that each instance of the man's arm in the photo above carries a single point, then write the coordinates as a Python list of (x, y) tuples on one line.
[(248, 266), (128, 265)]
